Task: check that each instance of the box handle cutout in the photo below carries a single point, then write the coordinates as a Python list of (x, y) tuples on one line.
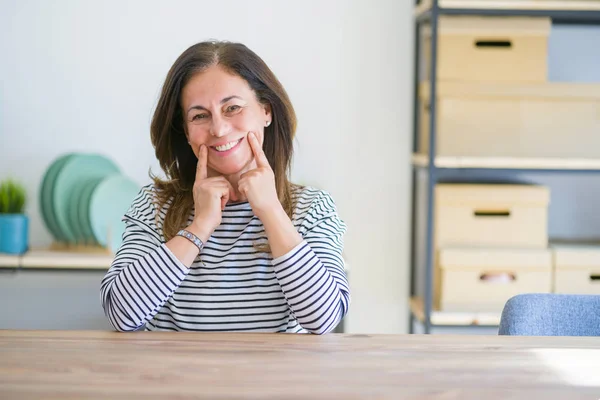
[(498, 277), (491, 213), (493, 44), (595, 277)]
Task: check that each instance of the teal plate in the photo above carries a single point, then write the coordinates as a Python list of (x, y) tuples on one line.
[(110, 201), (83, 210), (77, 170), (79, 205), (46, 203), (44, 207)]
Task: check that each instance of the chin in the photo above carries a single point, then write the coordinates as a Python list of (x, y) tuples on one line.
[(230, 168)]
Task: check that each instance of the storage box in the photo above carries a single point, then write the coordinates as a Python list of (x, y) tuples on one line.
[(482, 280), (490, 49), (551, 120), (491, 215), (542, 5), (577, 269)]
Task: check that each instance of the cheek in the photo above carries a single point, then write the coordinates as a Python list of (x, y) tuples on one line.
[(197, 136), (248, 120)]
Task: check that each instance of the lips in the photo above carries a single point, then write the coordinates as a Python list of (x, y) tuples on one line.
[(226, 146)]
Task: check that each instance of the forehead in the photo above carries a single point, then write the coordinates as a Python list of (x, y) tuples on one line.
[(209, 87)]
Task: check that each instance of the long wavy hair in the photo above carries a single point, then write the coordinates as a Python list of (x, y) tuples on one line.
[(167, 132)]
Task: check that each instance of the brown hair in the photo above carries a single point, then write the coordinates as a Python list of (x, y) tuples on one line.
[(175, 155)]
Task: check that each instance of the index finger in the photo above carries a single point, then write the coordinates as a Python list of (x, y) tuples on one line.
[(259, 154), (201, 172)]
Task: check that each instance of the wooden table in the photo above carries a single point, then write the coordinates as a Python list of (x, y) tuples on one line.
[(152, 365)]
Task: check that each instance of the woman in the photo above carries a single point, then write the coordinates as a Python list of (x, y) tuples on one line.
[(226, 242)]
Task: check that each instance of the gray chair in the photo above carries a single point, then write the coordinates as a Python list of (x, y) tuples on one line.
[(551, 315)]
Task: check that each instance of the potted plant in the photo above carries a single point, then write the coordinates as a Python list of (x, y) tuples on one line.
[(14, 224)]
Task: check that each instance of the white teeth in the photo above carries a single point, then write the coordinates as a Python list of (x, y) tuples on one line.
[(227, 146)]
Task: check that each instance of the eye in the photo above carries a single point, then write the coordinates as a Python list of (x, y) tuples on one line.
[(199, 117), (233, 108)]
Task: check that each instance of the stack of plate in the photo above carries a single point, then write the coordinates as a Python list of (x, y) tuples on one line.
[(83, 198)]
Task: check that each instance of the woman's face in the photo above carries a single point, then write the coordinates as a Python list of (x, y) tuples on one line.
[(220, 109)]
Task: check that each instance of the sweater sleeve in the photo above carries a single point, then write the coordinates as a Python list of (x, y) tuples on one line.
[(312, 275), (144, 273)]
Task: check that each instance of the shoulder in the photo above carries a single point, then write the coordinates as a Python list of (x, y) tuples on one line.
[(309, 199), (145, 205), (144, 201), (313, 207)]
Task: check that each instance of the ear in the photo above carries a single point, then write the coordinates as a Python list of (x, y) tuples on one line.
[(267, 109)]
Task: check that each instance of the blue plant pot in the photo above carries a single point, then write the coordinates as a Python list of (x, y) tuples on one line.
[(14, 233)]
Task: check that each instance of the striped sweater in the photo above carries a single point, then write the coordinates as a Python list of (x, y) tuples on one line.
[(231, 285)]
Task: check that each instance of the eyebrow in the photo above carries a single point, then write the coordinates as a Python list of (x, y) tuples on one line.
[(225, 100)]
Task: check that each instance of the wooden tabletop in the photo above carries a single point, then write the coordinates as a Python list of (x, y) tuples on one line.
[(153, 365)]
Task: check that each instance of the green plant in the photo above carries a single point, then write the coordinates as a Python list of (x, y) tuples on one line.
[(12, 197)]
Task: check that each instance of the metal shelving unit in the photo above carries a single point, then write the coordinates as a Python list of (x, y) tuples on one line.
[(443, 168)]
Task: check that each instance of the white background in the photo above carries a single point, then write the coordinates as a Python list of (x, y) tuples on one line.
[(85, 76)]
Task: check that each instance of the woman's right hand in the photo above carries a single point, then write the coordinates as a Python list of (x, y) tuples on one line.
[(210, 197)]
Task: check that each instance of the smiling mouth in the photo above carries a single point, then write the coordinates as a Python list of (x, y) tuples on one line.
[(227, 146)]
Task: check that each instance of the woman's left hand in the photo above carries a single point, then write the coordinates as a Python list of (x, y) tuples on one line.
[(258, 185)]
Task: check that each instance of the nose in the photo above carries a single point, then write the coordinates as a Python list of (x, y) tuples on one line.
[(219, 126)]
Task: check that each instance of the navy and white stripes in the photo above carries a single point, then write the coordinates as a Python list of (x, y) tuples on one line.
[(231, 286)]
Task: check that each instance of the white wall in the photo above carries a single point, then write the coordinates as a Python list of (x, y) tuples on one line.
[(84, 75)]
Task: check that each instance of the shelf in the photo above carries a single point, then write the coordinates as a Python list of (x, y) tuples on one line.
[(478, 169), (8, 260), (46, 259), (454, 318), (51, 259), (508, 163), (577, 10)]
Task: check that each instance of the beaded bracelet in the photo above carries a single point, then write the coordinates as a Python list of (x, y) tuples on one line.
[(192, 238)]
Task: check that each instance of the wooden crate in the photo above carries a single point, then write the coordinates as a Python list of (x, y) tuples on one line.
[(549, 120), (482, 280), (577, 269), (490, 49), (563, 5), (491, 215)]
